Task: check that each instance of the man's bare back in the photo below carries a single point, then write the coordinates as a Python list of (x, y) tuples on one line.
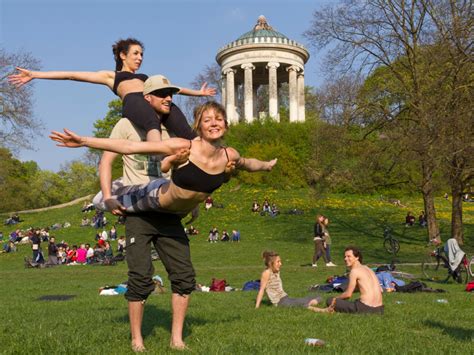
[(368, 285)]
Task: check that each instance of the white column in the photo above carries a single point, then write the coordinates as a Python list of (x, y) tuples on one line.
[(248, 91), (272, 90), (301, 107), (223, 91), (292, 70), (255, 100), (230, 96)]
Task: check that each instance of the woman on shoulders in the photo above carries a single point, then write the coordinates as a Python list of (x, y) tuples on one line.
[(127, 84)]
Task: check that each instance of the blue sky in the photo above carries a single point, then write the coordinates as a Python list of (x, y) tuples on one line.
[(181, 37)]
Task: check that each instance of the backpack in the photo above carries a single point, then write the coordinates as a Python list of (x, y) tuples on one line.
[(251, 285), (217, 285), (470, 286)]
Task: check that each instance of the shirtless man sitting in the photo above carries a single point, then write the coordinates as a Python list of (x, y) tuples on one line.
[(360, 277)]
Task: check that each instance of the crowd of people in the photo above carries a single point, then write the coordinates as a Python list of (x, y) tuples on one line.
[(266, 208), (214, 236), (410, 219)]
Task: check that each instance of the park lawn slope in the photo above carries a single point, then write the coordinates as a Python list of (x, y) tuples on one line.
[(228, 322)]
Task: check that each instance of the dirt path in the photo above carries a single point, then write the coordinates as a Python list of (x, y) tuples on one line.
[(73, 202)]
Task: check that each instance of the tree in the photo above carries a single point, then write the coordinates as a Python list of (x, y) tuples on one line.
[(211, 74), (17, 122), (400, 37)]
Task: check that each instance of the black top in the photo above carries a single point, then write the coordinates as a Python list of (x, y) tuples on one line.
[(126, 75), (193, 178), (318, 230)]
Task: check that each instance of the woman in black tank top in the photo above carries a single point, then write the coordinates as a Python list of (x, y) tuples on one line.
[(128, 55), (206, 155)]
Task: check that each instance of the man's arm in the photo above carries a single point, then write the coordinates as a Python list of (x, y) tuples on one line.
[(350, 287)]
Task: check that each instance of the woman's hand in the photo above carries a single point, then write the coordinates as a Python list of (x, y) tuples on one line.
[(67, 139), (205, 91), (21, 78)]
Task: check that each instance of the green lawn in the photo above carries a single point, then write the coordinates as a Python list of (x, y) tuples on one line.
[(228, 322)]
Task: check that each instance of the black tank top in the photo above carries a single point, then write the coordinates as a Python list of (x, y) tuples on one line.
[(126, 75), (191, 177)]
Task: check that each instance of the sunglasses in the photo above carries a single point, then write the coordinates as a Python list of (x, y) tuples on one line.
[(164, 93)]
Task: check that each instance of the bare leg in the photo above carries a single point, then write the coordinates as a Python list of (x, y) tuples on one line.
[(135, 313), (179, 304), (313, 302), (321, 310)]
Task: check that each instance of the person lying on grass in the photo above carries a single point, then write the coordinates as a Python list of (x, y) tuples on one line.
[(192, 182), (360, 277), (270, 282)]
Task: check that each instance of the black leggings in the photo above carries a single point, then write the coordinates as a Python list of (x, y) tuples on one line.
[(140, 113)]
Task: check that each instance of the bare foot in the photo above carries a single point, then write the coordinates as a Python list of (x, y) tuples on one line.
[(321, 310), (138, 347), (179, 346)]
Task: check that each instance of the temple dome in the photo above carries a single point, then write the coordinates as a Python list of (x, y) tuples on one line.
[(262, 29)]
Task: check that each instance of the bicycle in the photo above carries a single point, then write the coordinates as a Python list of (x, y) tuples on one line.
[(390, 244), (470, 267), (435, 266)]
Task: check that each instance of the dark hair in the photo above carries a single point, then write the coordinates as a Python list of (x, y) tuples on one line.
[(356, 251), (123, 46)]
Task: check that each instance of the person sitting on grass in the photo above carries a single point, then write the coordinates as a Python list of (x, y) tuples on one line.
[(360, 277), (192, 182), (270, 282), (192, 230), (8, 247), (225, 236), (235, 235), (208, 203), (255, 206), (409, 220), (213, 235)]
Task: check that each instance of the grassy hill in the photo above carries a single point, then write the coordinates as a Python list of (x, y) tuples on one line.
[(228, 322)]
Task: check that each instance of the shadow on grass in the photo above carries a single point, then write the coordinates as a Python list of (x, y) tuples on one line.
[(458, 333), (157, 317)]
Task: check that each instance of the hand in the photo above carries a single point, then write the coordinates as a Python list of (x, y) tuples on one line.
[(181, 156), (115, 207), (21, 78), (67, 139), (271, 164), (230, 167), (205, 91)]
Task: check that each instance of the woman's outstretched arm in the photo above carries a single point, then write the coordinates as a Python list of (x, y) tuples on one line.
[(250, 164), (105, 77), (70, 139), (254, 165), (204, 91)]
